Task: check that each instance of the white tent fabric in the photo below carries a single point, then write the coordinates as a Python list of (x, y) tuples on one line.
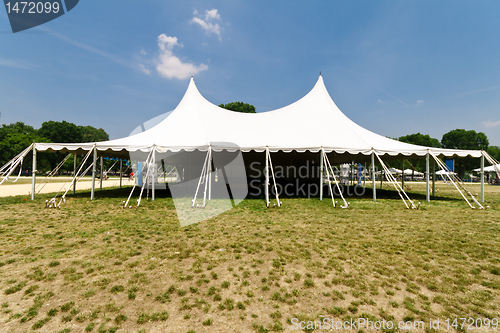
[(443, 172), (310, 124), (490, 168)]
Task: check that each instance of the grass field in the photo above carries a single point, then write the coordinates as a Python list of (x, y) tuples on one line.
[(95, 267)]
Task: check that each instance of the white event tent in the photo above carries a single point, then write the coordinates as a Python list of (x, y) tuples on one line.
[(312, 124)]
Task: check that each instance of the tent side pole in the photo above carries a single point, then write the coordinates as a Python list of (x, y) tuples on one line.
[(210, 175), (321, 175), (433, 179), (33, 174), (482, 177), (427, 189), (382, 174), (266, 185), (373, 177), (74, 172), (403, 175), (102, 178), (153, 175), (121, 173), (93, 173)]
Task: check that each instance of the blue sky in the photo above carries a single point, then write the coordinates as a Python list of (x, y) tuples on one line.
[(394, 67)]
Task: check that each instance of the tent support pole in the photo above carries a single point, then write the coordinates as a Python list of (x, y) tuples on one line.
[(74, 172), (101, 179), (427, 189), (33, 174), (153, 175), (403, 174), (382, 173), (210, 176), (482, 177), (374, 190), (93, 173), (266, 186), (321, 175), (121, 173), (433, 179)]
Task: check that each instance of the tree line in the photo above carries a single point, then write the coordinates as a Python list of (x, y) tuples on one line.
[(15, 137)]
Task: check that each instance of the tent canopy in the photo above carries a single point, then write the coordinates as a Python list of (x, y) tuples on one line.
[(312, 123)]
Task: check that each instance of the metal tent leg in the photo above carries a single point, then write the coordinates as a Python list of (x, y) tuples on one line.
[(321, 176), (33, 175), (427, 189), (153, 175), (373, 177), (102, 178), (121, 173), (433, 179), (93, 174), (74, 172), (482, 177), (266, 185)]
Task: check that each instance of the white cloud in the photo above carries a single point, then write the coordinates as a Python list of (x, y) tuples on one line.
[(490, 123), (420, 101), (144, 69), (143, 52), (169, 65), (14, 63), (206, 23)]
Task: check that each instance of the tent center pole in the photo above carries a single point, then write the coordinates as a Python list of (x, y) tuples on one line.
[(93, 173), (321, 175), (427, 189), (374, 190), (33, 174), (482, 177)]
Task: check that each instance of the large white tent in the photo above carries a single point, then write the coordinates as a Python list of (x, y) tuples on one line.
[(312, 125), (198, 124)]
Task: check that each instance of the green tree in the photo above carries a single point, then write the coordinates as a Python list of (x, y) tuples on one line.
[(61, 131), (92, 134), (468, 140), (421, 140), (239, 107), (494, 151), (16, 137)]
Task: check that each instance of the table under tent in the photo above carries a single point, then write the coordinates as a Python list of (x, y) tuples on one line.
[(208, 144)]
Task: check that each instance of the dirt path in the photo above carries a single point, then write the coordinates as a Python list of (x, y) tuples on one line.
[(25, 189)]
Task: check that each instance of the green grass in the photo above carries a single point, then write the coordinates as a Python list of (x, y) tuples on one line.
[(251, 267)]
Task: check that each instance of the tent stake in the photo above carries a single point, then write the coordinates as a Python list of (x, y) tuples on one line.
[(374, 190), (427, 190), (33, 174), (93, 173)]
